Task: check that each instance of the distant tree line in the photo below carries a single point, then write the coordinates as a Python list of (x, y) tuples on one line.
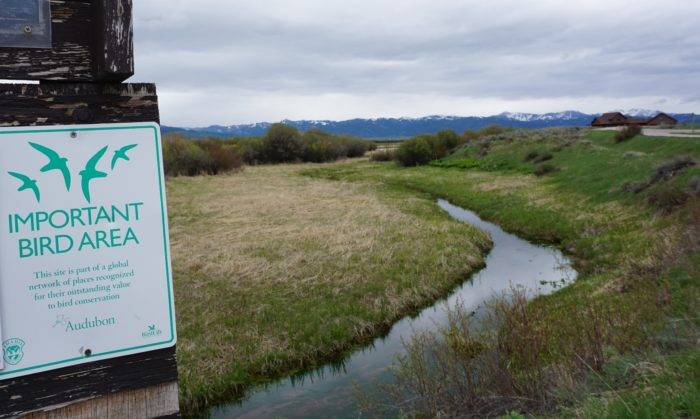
[(281, 144)]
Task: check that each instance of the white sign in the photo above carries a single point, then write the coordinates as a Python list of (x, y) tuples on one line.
[(84, 252)]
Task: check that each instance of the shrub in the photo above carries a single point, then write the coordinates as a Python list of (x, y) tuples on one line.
[(515, 357), (356, 147), (492, 130), (382, 155), (470, 136), (668, 198), (319, 147), (183, 157), (671, 168), (450, 139), (694, 186), (538, 157), (544, 169), (282, 143), (531, 155), (328, 147), (249, 148), (543, 157), (627, 133), (662, 172), (414, 152), (634, 187), (224, 157), (438, 148), (424, 148), (482, 152)]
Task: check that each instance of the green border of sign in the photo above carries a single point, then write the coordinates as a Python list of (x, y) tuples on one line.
[(168, 279)]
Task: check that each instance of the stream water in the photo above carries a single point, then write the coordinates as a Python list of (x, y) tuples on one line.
[(330, 391)]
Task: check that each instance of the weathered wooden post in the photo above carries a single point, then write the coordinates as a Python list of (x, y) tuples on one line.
[(86, 311)]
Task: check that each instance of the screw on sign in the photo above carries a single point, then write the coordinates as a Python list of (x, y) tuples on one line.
[(86, 298), (25, 23)]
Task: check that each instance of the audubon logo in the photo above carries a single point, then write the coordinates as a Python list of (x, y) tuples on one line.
[(13, 351), (59, 164), (90, 323)]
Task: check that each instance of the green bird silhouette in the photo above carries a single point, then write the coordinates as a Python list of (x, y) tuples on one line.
[(27, 183), (90, 172), (56, 162), (121, 154)]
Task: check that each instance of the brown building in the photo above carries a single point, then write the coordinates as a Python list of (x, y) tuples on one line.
[(616, 119), (662, 119), (610, 119)]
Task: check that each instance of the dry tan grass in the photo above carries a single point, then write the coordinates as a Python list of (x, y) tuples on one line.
[(274, 271)]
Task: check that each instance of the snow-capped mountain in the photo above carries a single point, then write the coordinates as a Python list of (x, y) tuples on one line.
[(406, 127), (638, 113), (557, 116)]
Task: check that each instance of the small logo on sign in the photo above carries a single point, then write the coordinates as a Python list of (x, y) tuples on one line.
[(12, 350), (152, 331), (61, 320)]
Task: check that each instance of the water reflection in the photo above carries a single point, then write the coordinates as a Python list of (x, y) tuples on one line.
[(329, 391)]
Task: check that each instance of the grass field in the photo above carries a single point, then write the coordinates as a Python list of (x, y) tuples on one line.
[(634, 308), (279, 268), (275, 272)]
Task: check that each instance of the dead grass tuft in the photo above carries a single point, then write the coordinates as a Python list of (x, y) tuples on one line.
[(671, 168), (517, 358)]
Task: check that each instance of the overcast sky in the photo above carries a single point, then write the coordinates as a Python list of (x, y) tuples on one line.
[(240, 61)]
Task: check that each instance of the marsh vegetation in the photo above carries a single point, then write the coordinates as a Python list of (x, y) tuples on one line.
[(626, 328), (278, 268), (275, 272)]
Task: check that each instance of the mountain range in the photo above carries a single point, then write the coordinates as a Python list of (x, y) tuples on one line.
[(406, 127)]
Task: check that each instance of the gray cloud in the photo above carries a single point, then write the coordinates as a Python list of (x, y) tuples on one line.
[(218, 61)]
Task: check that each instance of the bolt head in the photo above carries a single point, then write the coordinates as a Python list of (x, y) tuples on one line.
[(83, 115)]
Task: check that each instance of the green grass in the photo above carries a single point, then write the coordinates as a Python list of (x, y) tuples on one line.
[(281, 272), (629, 253), (654, 387), (595, 168)]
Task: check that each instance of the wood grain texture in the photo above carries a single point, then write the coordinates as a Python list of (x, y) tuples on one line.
[(61, 387), (114, 45), (86, 103), (92, 42), (77, 103), (155, 401)]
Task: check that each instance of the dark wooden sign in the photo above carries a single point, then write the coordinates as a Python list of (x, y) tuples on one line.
[(80, 83), (92, 41), (25, 23)]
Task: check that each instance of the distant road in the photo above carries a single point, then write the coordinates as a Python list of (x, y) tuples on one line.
[(660, 132)]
